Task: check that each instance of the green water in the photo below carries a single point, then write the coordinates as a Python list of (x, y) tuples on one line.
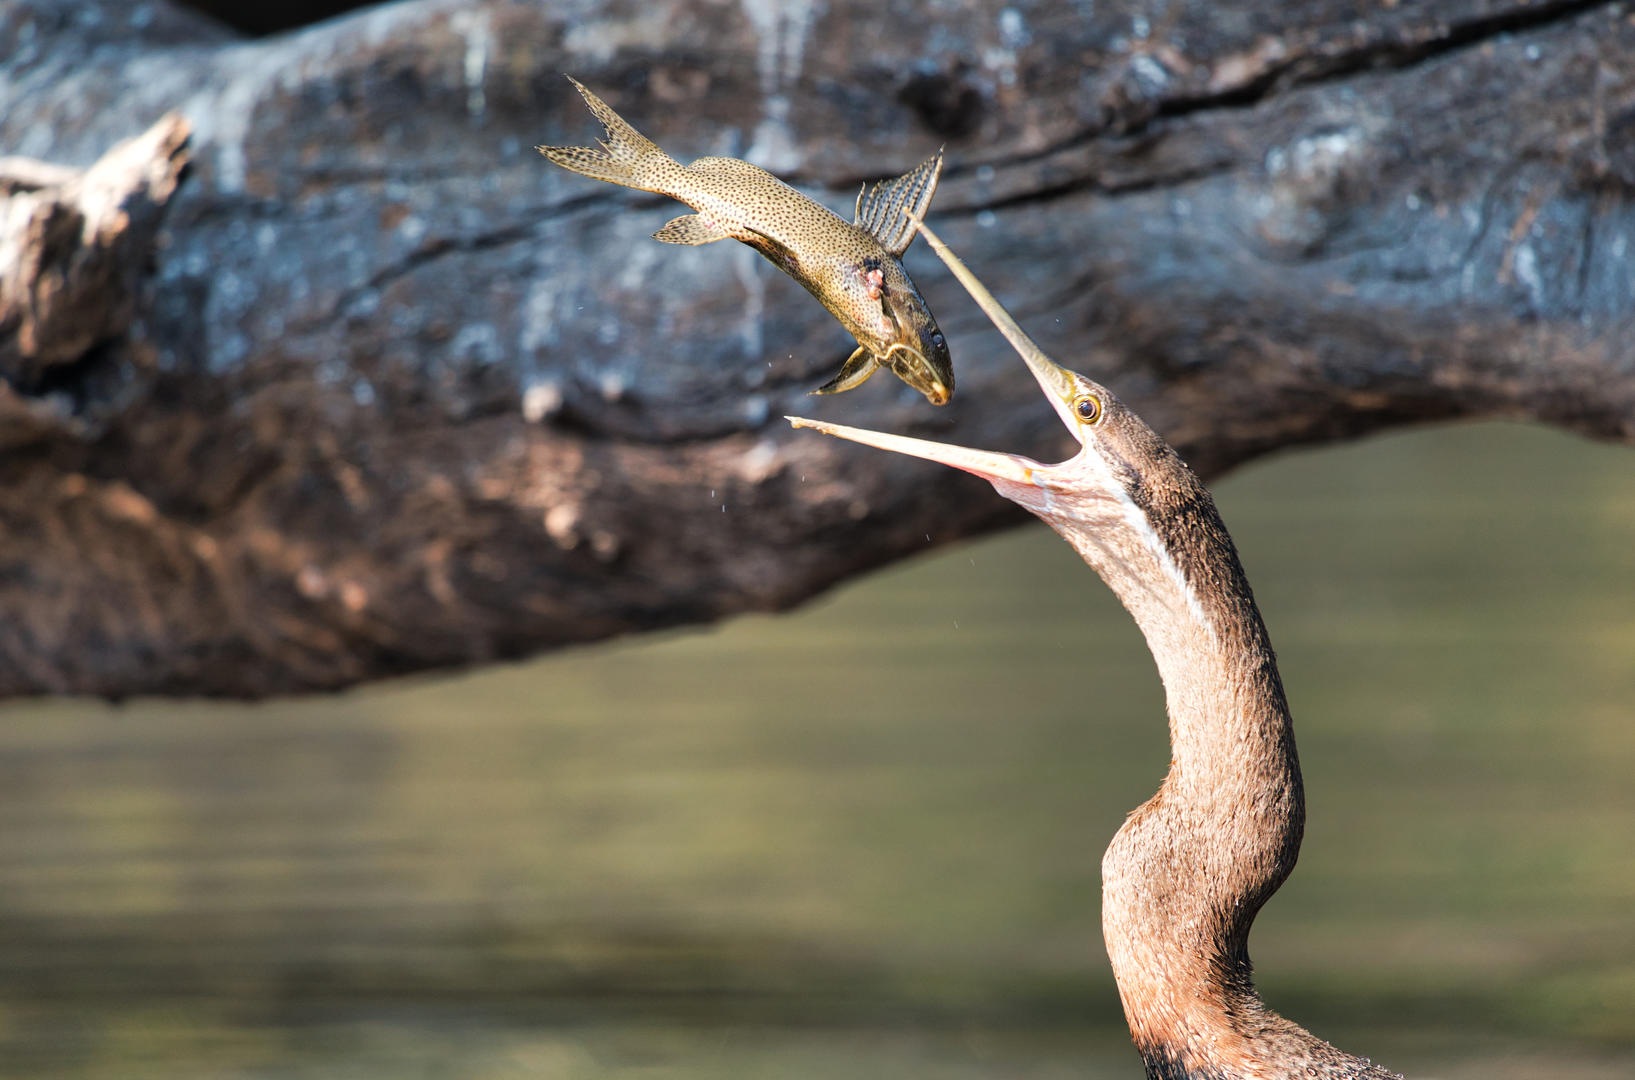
[(863, 840)]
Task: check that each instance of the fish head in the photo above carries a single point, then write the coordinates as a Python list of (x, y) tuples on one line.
[(905, 337), (872, 296)]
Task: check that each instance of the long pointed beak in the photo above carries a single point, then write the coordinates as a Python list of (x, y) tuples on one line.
[(1053, 379), (983, 463)]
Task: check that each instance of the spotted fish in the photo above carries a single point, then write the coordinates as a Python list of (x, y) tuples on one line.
[(853, 267)]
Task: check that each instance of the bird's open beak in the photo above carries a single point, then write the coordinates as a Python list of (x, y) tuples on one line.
[(1054, 380), (983, 463)]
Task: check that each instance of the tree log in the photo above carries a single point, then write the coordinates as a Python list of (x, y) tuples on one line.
[(73, 248), (388, 392)]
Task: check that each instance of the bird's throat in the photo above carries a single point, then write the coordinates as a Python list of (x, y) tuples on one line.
[(1184, 878)]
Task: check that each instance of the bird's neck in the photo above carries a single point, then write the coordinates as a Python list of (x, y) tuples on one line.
[(1187, 873)]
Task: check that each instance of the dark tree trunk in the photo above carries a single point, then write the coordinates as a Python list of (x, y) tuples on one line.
[(388, 392)]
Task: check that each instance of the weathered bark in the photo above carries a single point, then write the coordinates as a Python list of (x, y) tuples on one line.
[(417, 398), (73, 248)]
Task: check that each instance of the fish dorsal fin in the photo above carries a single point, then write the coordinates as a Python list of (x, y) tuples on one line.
[(881, 208)]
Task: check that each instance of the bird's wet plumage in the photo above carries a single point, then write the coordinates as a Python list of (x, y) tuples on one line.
[(852, 267)]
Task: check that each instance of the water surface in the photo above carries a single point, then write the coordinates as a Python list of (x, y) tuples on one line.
[(863, 840)]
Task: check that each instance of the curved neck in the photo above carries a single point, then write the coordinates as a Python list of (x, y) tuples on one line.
[(1185, 876)]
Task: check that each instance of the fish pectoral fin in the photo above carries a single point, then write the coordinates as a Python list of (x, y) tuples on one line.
[(690, 229), (853, 373), (884, 209)]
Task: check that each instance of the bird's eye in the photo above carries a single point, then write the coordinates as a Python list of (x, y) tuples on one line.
[(1088, 409)]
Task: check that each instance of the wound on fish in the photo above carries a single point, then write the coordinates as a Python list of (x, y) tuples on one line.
[(876, 279), (853, 267)]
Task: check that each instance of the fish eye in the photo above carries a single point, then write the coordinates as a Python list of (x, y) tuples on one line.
[(936, 339), (1088, 408)]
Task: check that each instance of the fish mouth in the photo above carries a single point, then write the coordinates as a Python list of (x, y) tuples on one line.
[(916, 353), (910, 365)]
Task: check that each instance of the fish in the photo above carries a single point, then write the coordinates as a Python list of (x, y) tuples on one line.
[(854, 268)]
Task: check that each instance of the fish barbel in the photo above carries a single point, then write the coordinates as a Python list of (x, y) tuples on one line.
[(852, 267)]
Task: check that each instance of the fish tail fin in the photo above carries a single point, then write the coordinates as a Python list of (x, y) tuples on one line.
[(625, 156)]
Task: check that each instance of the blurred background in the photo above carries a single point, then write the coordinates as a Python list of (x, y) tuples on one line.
[(863, 840)]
